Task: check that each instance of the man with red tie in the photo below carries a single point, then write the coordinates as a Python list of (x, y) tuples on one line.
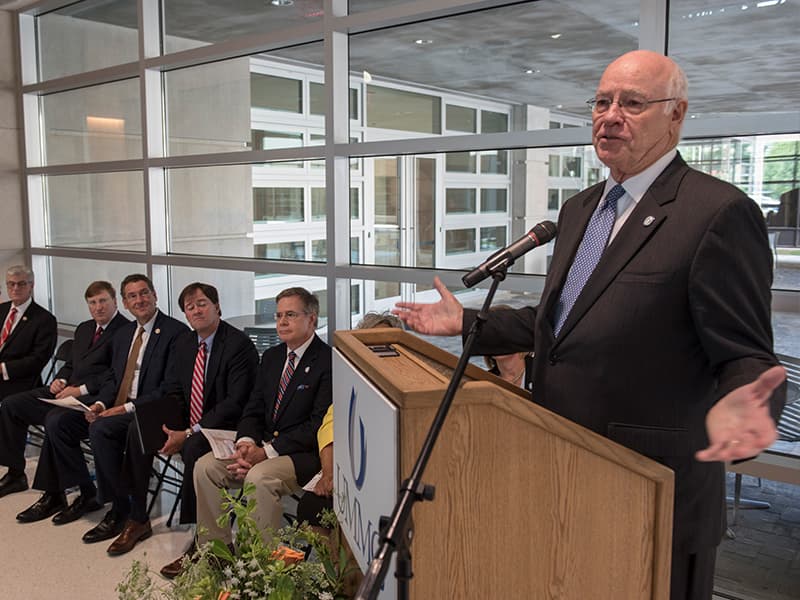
[(81, 375), (276, 439), (28, 335)]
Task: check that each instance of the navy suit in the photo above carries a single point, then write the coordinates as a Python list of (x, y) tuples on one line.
[(675, 315), (229, 377), (63, 466), (306, 399), (27, 349), (88, 365)]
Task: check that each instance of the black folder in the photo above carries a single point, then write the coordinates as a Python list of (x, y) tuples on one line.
[(150, 416)]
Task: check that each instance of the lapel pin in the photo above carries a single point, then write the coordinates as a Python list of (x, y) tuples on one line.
[(24, 318), (308, 369), (158, 331), (649, 221)]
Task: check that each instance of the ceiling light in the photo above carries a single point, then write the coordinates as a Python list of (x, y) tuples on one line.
[(532, 71), (281, 2), (555, 36), (421, 42), (367, 77), (766, 3)]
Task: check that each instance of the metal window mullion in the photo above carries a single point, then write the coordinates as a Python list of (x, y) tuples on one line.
[(653, 25)]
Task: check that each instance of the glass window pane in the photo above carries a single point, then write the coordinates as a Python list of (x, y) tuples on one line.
[(281, 251), (387, 191), (318, 204), (460, 200), (494, 162), (493, 122), (207, 108), (186, 26), (461, 162), (98, 210), (459, 241), (96, 123), (494, 200), (389, 108), (278, 204), (461, 118), (553, 199), (71, 276), (571, 166), (211, 210), (319, 250), (276, 93), (236, 289), (387, 247), (493, 238), (753, 47), (355, 250), (554, 165), (87, 36)]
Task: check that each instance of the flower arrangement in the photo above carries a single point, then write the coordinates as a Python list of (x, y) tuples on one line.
[(272, 569)]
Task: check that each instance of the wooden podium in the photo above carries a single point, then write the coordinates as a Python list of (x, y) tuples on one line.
[(528, 504)]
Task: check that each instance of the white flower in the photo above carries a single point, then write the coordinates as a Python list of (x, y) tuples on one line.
[(326, 596)]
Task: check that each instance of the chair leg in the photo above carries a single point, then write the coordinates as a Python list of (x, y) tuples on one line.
[(175, 505)]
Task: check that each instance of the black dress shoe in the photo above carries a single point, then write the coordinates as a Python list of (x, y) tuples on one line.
[(111, 526), (80, 506), (46, 506), (10, 484)]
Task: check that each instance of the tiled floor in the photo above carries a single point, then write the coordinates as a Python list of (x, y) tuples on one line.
[(40, 561)]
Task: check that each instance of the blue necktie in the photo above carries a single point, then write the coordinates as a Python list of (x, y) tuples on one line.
[(594, 242)]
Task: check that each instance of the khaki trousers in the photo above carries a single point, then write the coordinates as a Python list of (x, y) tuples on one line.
[(273, 478)]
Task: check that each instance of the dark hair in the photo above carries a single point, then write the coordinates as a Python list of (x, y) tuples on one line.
[(133, 278), (98, 287), (310, 301), (376, 319), (208, 290)]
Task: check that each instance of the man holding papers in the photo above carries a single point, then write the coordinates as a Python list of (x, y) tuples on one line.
[(276, 446), (214, 371), (81, 375)]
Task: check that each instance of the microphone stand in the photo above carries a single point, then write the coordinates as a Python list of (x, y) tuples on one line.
[(398, 530)]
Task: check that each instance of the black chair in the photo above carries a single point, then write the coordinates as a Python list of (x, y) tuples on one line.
[(62, 355), (165, 471), (263, 337)]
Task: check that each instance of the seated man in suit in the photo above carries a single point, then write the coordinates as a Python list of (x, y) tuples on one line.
[(142, 356), (81, 375), (276, 446), (213, 374), (28, 335), (139, 353)]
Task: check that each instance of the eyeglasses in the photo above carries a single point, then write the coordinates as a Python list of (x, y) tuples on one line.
[(630, 105), (17, 284), (289, 314), (145, 293)]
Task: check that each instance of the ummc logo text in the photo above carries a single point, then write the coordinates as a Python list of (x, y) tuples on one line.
[(358, 476)]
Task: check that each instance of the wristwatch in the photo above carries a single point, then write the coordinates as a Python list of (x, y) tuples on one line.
[(188, 432)]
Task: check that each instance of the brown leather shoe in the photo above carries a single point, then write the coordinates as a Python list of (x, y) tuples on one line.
[(132, 533), (176, 567)]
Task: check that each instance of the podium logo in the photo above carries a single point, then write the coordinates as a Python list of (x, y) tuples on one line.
[(361, 443)]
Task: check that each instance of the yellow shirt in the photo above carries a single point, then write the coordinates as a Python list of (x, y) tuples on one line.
[(325, 433)]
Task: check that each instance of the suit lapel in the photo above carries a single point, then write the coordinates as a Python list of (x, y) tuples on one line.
[(642, 223), (214, 360), (152, 342), (300, 372), (21, 324)]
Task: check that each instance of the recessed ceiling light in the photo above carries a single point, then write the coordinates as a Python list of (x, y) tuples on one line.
[(555, 36), (367, 77), (532, 71), (422, 42), (281, 2)]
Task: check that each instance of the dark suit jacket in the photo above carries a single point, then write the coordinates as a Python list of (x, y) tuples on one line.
[(27, 349), (307, 398), (89, 365), (159, 351), (675, 315), (229, 378)]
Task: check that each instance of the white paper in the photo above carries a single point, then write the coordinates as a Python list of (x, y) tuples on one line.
[(221, 441), (70, 402), (309, 487)]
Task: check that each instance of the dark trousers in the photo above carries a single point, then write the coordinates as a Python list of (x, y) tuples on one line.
[(693, 575), (123, 472), (17, 412), (195, 447), (61, 461)]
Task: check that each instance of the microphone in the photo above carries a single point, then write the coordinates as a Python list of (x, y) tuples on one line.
[(504, 258)]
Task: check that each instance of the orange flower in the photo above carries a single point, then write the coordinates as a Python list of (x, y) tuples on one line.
[(288, 555), (223, 595)]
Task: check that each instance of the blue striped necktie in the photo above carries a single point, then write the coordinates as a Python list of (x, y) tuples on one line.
[(594, 242)]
